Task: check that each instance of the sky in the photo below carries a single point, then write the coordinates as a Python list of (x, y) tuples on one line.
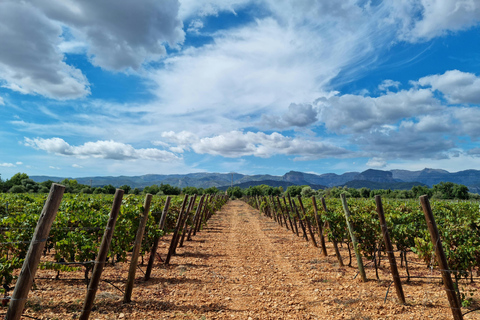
[(120, 87)]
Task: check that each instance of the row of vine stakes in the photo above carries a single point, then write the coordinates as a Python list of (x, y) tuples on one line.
[(45, 221), (281, 218)]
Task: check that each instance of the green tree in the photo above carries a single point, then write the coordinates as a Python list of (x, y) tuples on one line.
[(17, 189), (126, 188), (307, 192), (47, 184), (235, 192), (212, 190), (254, 191), (30, 185), (294, 190), (190, 191), (170, 190), (109, 189), (460, 192), (364, 192)]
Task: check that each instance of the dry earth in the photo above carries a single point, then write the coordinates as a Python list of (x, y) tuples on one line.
[(244, 266)]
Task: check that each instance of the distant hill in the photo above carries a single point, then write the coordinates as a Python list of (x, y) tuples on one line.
[(373, 179), (357, 184)]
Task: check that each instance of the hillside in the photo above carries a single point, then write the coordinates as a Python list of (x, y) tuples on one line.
[(373, 179)]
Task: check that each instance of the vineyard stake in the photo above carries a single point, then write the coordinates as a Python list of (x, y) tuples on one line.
[(299, 219), (307, 222), (441, 259), (175, 232), (275, 210), (287, 215), (136, 249), (190, 208), (195, 218), (202, 215), (319, 226), (153, 251), (32, 259), (161, 225), (389, 249), (334, 241), (102, 255), (354, 239), (180, 230), (293, 213)]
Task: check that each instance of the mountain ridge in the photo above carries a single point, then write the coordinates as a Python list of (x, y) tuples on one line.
[(427, 176)]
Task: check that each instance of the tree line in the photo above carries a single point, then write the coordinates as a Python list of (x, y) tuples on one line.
[(443, 190), (21, 183)]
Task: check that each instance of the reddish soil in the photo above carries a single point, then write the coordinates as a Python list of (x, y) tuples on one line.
[(245, 266)]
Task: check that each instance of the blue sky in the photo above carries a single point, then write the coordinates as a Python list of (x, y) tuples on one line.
[(119, 87)]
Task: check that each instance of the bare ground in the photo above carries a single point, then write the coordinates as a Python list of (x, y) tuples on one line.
[(245, 266)]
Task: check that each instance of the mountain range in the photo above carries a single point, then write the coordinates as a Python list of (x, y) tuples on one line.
[(373, 179)]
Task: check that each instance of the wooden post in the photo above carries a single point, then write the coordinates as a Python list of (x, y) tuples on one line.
[(354, 239), (127, 297), (202, 214), (319, 226), (286, 215), (307, 222), (299, 219), (184, 219), (102, 255), (175, 232), (276, 212), (153, 251), (441, 259), (293, 217), (32, 259), (389, 248), (335, 244), (161, 225), (185, 225), (196, 217)]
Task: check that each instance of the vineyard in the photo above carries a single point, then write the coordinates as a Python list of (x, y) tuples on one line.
[(343, 234), (75, 238), (355, 224)]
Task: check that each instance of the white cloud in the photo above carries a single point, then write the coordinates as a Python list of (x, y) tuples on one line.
[(376, 163), (235, 144), (18, 163), (457, 86), (7, 165), (387, 84), (77, 166), (55, 168), (189, 8), (99, 149), (298, 115), (30, 61), (2, 103), (120, 34), (422, 20), (195, 26), (354, 114)]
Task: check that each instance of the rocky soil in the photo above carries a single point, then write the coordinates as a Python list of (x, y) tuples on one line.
[(245, 266)]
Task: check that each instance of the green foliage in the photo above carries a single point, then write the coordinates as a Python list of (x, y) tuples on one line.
[(211, 190), (78, 228), (307, 192), (235, 192), (169, 190), (191, 191), (294, 191), (17, 189)]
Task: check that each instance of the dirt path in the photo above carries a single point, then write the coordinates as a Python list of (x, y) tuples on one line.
[(244, 266)]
